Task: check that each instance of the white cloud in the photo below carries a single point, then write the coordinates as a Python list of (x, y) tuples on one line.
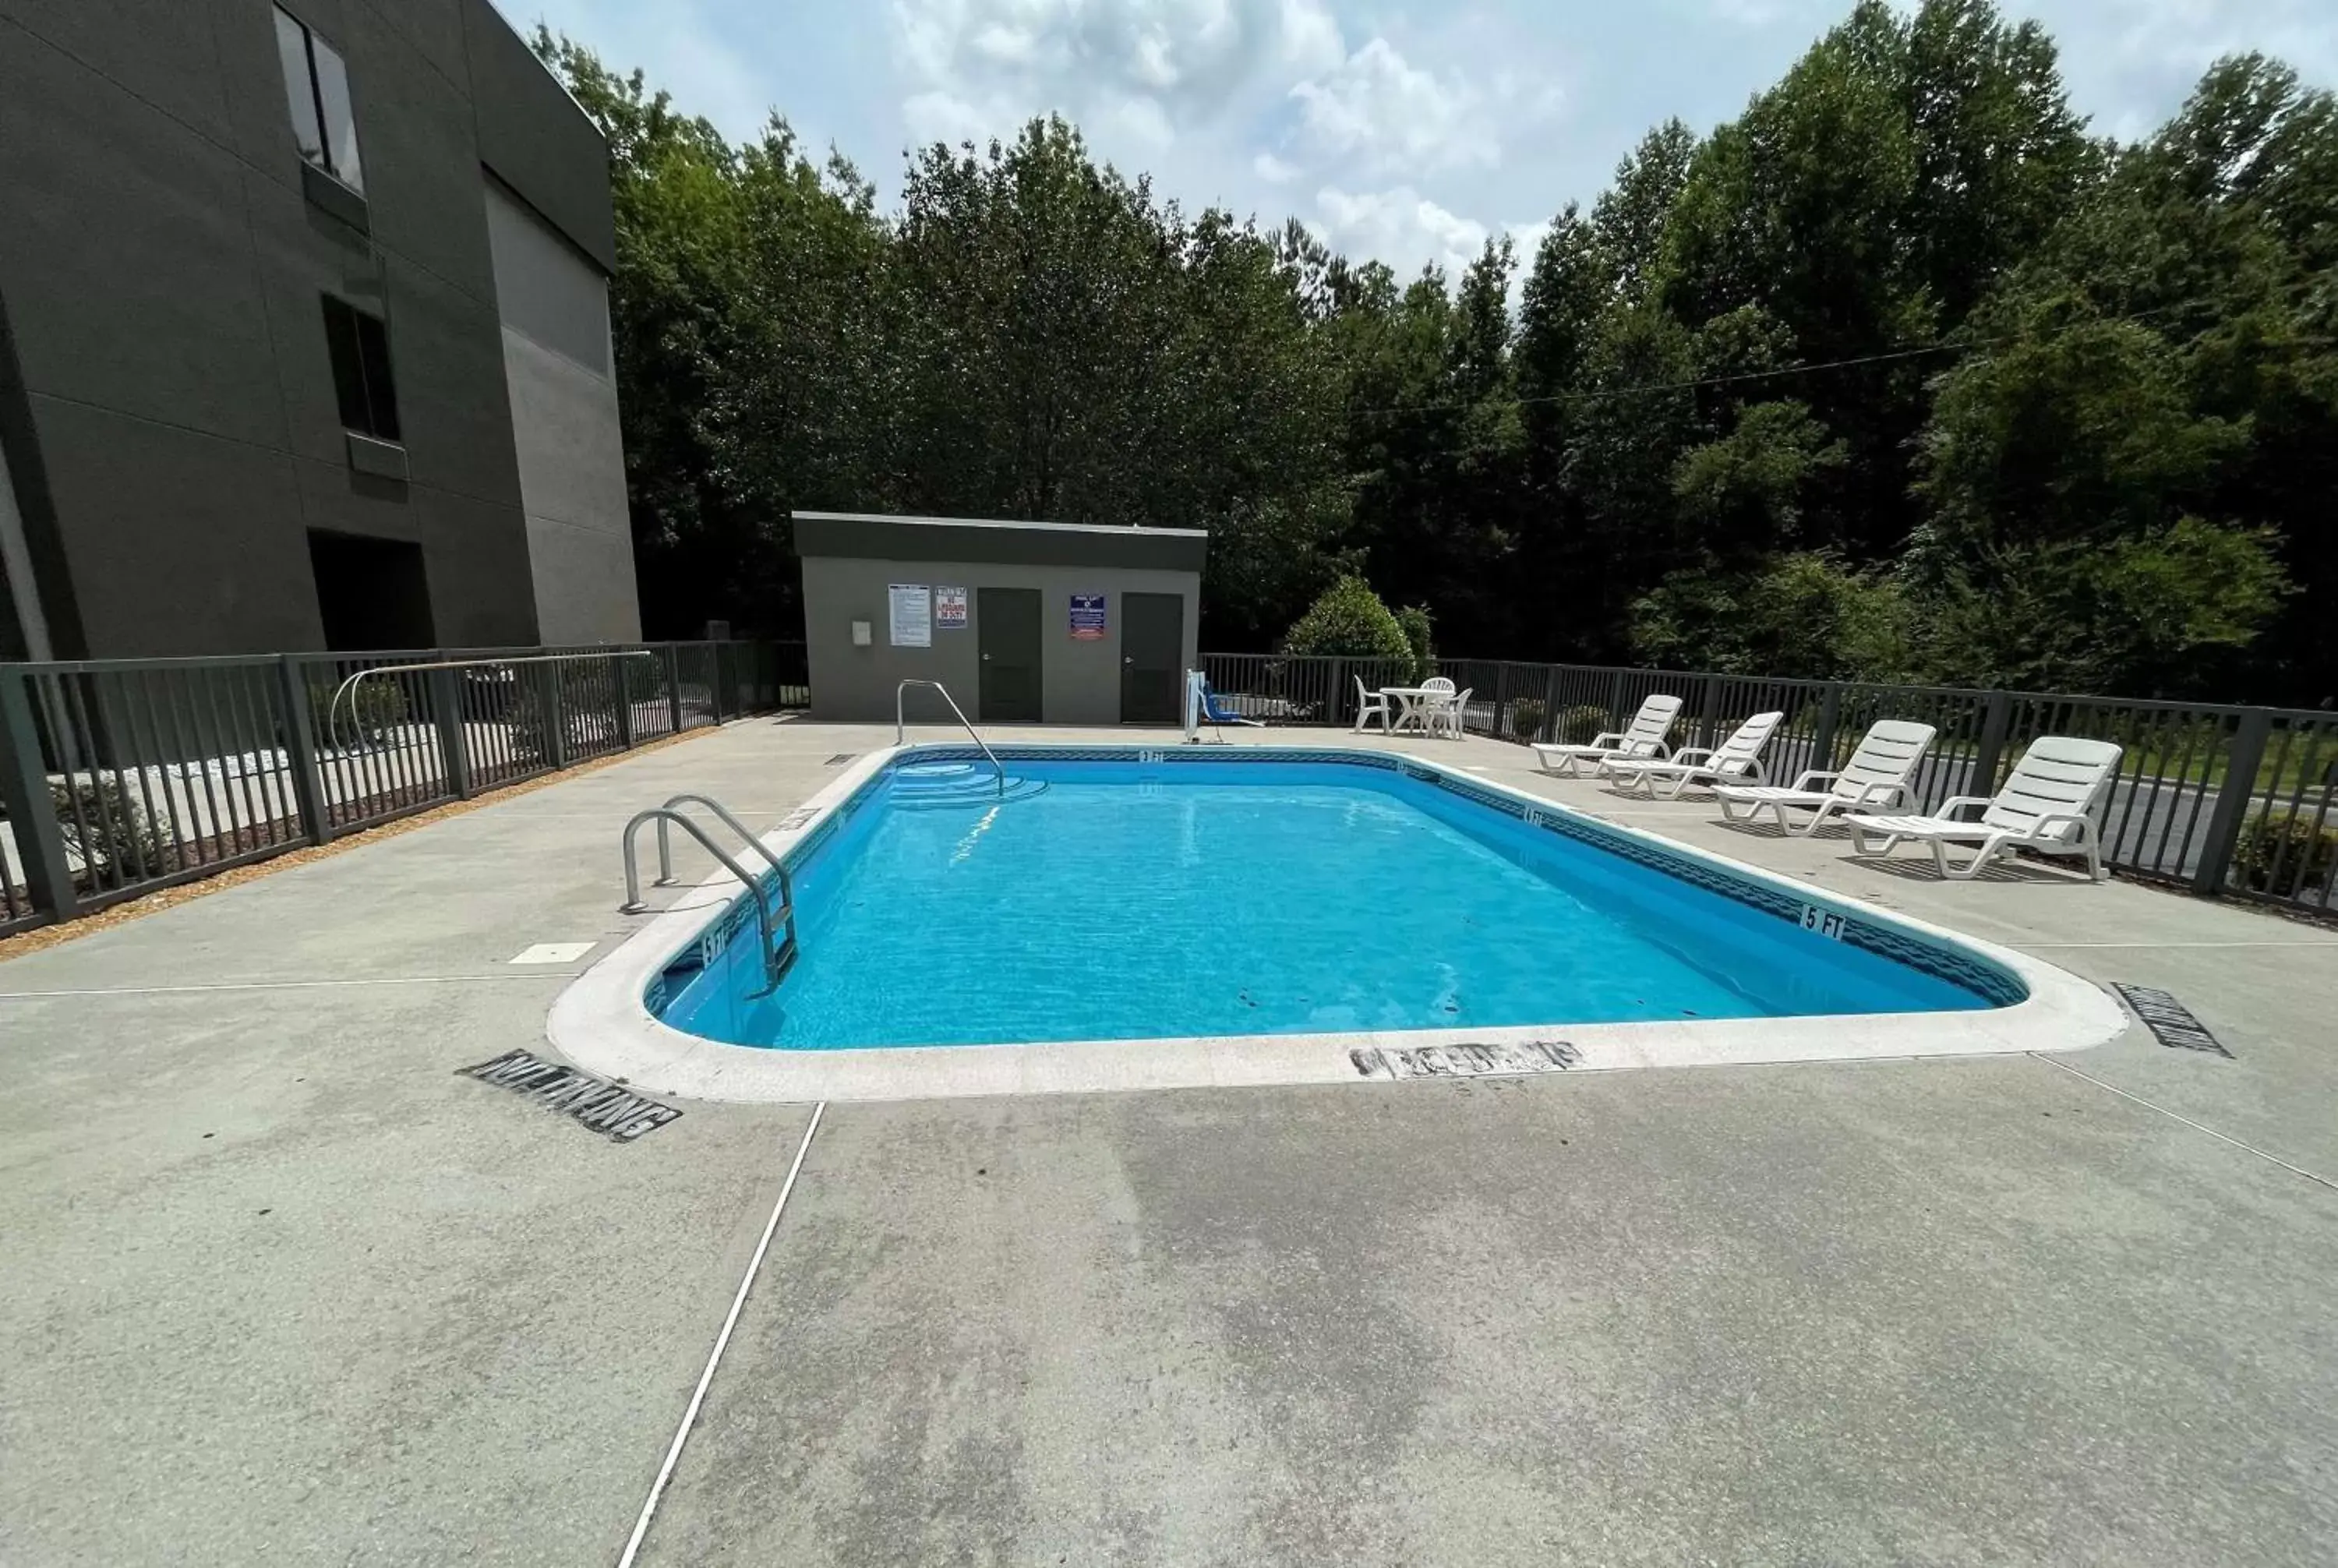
[(1399, 226), (1273, 170), (1388, 114)]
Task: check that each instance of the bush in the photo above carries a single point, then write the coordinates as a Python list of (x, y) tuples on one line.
[(2285, 854), (366, 713), (1577, 725), (1414, 621), (1526, 715), (105, 828), (1350, 620)]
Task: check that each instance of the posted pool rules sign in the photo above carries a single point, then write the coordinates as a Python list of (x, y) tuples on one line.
[(1087, 617)]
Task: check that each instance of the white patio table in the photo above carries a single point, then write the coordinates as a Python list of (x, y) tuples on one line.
[(1416, 704)]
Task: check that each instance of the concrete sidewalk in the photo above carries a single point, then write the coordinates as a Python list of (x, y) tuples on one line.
[(281, 1286)]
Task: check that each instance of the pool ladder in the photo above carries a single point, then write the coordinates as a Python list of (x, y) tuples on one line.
[(779, 955)]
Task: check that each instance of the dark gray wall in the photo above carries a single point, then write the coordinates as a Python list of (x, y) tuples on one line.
[(1079, 681), (161, 271)]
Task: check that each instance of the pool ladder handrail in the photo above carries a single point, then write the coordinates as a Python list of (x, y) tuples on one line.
[(779, 957), (900, 726)]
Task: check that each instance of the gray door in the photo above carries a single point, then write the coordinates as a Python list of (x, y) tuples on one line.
[(1152, 657), (1006, 623)]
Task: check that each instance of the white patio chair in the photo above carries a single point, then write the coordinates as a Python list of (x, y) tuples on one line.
[(1644, 737), (1446, 713), (2049, 804), (1441, 684), (1370, 704), (1877, 775), (1737, 758)]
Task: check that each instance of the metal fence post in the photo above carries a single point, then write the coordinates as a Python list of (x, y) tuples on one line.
[(2233, 799), (32, 810), (556, 720), (621, 679), (673, 686), (300, 751), (454, 738), (1708, 730), (1996, 719), (1336, 709), (1830, 719)]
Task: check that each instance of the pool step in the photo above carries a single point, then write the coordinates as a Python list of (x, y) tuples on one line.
[(937, 785)]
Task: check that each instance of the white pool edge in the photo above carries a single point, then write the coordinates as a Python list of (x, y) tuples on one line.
[(600, 1023)]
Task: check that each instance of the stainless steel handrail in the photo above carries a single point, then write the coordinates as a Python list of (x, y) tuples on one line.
[(333, 708), (900, 728), (665, 855), (773, 968)]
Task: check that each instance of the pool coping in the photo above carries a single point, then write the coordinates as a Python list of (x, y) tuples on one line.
[(600, 1022)]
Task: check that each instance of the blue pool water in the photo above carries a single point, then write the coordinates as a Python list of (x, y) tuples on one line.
[(1106, 901)]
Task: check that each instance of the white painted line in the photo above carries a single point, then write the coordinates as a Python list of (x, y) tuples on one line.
[(552, 953), (2195, 1126), (2147, 946), (714, 1358), (265, 985)]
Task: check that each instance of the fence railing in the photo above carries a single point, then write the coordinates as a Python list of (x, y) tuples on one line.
[(122, 777), (2222, 799)]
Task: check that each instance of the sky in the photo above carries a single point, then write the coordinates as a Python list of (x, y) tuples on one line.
[(1408, 131)]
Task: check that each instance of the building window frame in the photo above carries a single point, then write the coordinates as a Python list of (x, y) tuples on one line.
[(317, 97), (365, 385)]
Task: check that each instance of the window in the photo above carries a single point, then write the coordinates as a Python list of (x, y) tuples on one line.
[(317, 90), (360, 349)]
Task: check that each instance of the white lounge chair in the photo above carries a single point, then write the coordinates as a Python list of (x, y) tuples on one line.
[(1737, 759), (1370, 704), (1877, 775), (1644, 737), (2048, 804)]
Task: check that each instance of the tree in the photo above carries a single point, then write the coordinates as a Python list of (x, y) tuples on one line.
[(1350, 620)]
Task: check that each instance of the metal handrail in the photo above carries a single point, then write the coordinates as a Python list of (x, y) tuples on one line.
[(333, 708), (773, 968), (900, 728), (665, 855)]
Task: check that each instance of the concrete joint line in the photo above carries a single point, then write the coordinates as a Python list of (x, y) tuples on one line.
[(2195, 1126), (714, 1356)]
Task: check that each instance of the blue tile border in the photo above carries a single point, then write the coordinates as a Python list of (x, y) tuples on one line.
[(1970, 973)]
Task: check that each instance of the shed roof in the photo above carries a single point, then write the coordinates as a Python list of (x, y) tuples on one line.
[(874, 536)]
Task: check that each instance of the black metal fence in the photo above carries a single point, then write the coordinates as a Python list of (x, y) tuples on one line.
[(2222, 799), (121, 777)]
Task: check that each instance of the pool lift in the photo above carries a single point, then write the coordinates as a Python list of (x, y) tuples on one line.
[(779, 953)]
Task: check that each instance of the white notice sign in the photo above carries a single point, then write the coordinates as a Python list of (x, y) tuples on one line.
[(912, 614)]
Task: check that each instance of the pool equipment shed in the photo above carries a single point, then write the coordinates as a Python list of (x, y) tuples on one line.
[(1031, 622)]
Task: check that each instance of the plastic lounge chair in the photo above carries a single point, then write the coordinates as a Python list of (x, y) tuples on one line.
[(2048, 805), (1217, 715), (1737, 759), (1370, 704), (1644, 737), (1877, 775)]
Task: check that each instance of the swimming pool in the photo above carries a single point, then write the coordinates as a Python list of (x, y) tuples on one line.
[(1131, 917), (1112, 899)]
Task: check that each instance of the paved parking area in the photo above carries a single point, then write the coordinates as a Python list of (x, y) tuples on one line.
[(281, 1286)]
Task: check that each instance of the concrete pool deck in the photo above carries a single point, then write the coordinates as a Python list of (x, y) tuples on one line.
[(280, 1285)]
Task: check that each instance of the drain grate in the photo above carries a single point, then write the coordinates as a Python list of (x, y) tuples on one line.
[(2170, 1022), (1467, 1060), (595, 1102), (841, 759)]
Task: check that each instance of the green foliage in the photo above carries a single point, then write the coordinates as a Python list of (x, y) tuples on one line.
[(1806, 615), (2284, 853), (1414, 619), (106, 828), (1349, 620), (1526, 715), (1577, 725), (1896, 372)]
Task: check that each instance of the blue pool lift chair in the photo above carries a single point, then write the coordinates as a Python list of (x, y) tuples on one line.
[(1203, 706)]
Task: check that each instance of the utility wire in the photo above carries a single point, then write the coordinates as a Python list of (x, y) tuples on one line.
[(1941, 346)]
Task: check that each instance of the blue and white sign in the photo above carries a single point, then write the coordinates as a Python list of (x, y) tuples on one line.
[(1087, 617)]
